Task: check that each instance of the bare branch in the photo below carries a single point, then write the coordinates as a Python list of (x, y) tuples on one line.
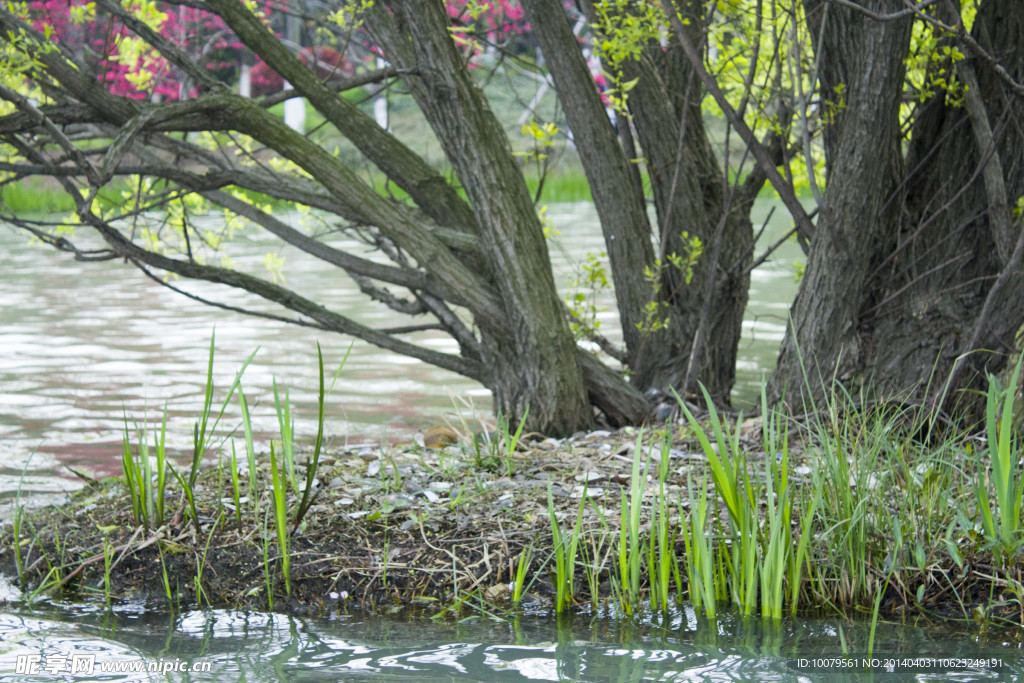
[(359, 81), (427, 188), (912, 8), (62, 243), (992, 170), (469, 346), (805, 229), (382, 295), (41, 120)]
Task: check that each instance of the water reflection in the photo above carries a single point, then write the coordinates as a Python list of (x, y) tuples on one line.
[(264, 646)]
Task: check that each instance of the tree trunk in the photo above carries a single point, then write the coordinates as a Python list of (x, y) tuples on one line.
[(930, 247), (619, 202), (535, 368), (691, 194), (861, 98), (933, 287)]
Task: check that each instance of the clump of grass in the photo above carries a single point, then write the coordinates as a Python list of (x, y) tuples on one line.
[(286, 425), (147, 496), (314, 462), (168, 593), (630, 552), (203, 429), (777, 545), (147, 491), (197, 580), (522, 567), (16, 526), (108, 557), (662, 562), (593, 560), (281, 518), (565, 548), (1004, 530), (510, 440), (250, 452), (265, 547), (236, 497), (733, 484), (700, 566)]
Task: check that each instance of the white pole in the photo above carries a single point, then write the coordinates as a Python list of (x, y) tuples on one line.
[(295, 111), (245, 81)]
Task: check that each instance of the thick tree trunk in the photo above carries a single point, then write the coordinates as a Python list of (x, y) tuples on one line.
[(535, 368), (690, 195), (937, 263), (619, 202), (957, 234), (856, 225)]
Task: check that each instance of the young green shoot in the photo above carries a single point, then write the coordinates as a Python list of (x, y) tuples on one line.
[(700, 566), (166, 580), (314, 461), (281, 519), (286, 424), (108, 556), (630, 552), (522, 566), (660, 578), (235, 495), (201, 566), (203, 429), (777, 547), (510, 440), (250, 452), (565, 550)]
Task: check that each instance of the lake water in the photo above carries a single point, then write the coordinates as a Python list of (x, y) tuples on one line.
[(224, 645), (84, 344)]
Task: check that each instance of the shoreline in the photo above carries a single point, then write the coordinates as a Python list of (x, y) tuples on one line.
[(447, 530)]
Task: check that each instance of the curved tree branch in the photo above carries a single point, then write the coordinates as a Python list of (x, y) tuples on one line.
[(805, 228)]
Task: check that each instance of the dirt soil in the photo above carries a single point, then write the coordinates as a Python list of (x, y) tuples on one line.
[(406, 525)]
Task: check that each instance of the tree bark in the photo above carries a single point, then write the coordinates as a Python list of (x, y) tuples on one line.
[(862, 68), (956, 235), (619, 201), (533, 360), (913, 282), (691, 194)]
